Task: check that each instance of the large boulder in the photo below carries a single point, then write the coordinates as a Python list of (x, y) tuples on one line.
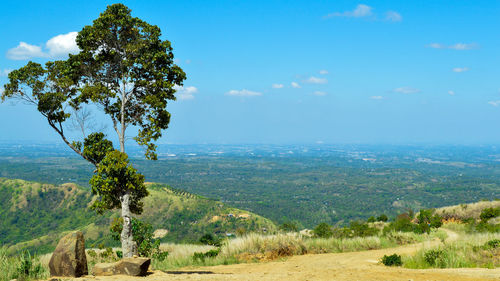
[(69, 257), (126, 266)]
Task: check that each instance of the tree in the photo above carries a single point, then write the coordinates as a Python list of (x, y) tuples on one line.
[(125, 69)]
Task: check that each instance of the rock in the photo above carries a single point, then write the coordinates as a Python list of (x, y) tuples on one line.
[(69, 257), (127, 266)]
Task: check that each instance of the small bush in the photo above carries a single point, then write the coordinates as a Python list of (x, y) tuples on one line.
[(432, 256), (323, 230), (489, 213), (382, 217), (492, 244), (392, 260), (202, 256), (209, 239)]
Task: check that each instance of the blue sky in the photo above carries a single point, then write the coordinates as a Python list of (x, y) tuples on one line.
[(392, 72)]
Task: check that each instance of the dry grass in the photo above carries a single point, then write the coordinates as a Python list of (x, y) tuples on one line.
[(464, 211), (468, 250)]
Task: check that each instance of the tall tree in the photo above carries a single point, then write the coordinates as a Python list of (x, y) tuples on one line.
[(128, 71)]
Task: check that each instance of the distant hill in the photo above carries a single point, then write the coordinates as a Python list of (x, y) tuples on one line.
[(34, 215)]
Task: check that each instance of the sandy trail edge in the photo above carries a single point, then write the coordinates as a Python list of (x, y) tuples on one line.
[(340, 266)]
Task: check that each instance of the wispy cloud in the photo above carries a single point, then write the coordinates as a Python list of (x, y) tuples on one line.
[(361, 10), (406, 90), (295, 85), (460, 69), (494, 102), (243, 93), (377, 97), (323, 72), (316, 80), (393, 16), (278, 86), (57, 46), (458, 46), (451, 93), (186, 93)]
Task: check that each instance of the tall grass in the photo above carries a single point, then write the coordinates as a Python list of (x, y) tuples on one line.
[(470, 250), (21, 267), (257, 247)]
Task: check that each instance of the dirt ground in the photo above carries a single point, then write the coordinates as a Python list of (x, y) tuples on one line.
[(341, 266)]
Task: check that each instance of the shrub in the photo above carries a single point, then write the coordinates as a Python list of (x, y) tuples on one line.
[(492, 244), (209, 239), (147, 246), (323, 230), (29, 267), (202, 256), (290, 226), (432, 256), (382, 217), (392, 260), (489, 213), (371, 219)]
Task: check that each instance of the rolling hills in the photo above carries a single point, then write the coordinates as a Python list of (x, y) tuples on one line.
[(33, 215)]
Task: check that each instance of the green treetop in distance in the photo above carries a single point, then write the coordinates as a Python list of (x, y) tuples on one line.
[(128, 71)]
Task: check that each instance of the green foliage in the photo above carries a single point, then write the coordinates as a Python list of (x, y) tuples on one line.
[(114, 178), (209, 239), (371, 219), (198, 256), (323, 230), (489, 213), (361, 229), (382, 217), (433, 257), (392, 260), (95, 147), (492, 244), (29, 267), (290, 226), (142, 232), (126, 67)]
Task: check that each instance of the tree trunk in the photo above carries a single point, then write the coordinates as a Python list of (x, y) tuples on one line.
[(129, 246)]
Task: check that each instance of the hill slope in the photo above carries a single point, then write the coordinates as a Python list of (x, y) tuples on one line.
[(34, 215)]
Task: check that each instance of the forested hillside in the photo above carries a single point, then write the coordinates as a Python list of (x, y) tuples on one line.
[(306, 184), (34, 215)]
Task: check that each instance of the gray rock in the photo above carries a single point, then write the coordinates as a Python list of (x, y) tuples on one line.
[(69, 257), (127, 266)]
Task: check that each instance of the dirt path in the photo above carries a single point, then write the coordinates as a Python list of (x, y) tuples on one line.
[(341, 266)]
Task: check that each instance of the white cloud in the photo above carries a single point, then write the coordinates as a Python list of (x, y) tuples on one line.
[(495, 102), (25, 51), (295, 85), (393, 16), (451, 93), (323, 72), (360, 11), (377, 97), (278, 86), (186, 93), (406, 90), (243, 93), (319, 93), (57, 46), (460, 69), (458, 46), (63, 44), (316, 80)]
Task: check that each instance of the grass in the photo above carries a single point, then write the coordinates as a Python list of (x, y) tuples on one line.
[(464, 211), (21, 267), (257, 247), (470, 250)]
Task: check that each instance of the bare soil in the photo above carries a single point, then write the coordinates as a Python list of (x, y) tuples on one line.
[(341, 266)]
